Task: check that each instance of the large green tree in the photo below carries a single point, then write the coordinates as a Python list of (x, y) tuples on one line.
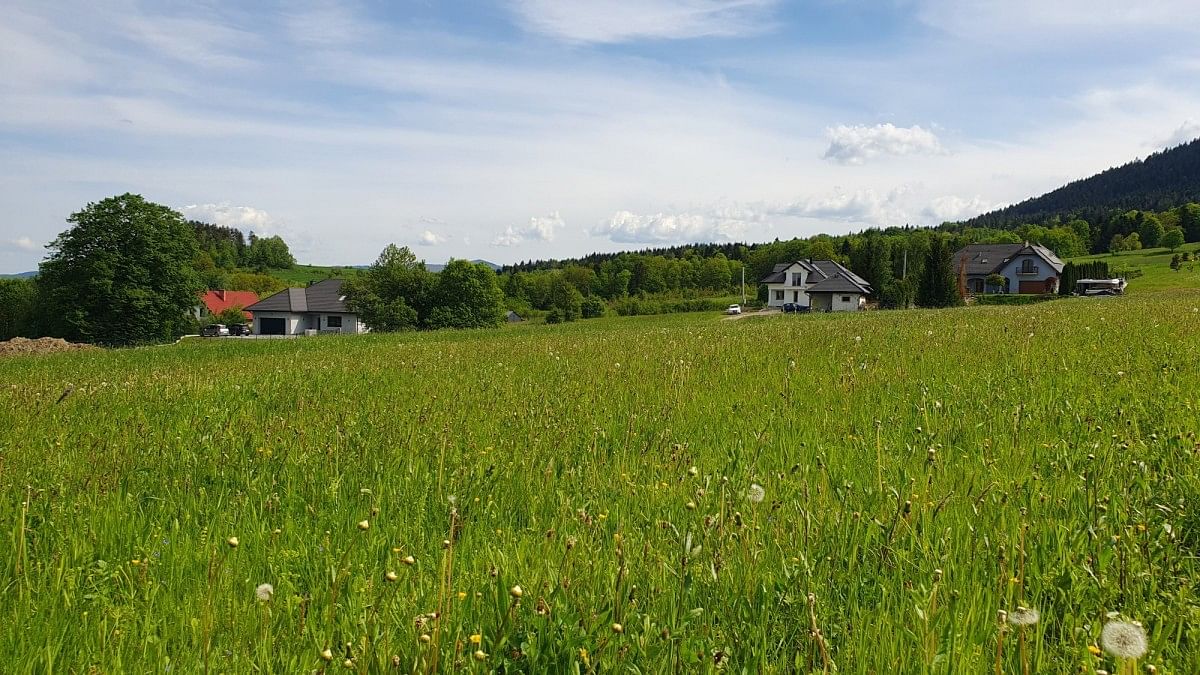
[(394, 293), (269, 253), (467, 296), (122, 274)]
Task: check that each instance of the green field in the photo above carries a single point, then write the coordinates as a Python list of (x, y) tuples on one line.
[(919, 472), (1155, 266)]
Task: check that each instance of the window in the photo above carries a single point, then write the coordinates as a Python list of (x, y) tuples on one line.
[(333, 322), (845, 298), (1027, 267), (778, 295), (797, 278)]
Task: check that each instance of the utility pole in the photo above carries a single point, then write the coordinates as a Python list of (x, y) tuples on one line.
[(743, 283), (904, 272)]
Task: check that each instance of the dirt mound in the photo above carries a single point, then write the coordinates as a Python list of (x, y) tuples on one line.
[(20, 345)]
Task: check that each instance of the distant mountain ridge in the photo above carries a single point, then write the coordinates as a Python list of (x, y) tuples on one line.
[(19, 275), (438, 267), (1161, 181)]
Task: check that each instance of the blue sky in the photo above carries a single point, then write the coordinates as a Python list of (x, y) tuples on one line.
[(519, 129)]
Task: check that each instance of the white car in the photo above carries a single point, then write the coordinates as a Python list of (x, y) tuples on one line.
[(733, 309)]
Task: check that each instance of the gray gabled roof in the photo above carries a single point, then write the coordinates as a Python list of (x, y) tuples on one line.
[(983, 259), (820, 269), (839, 283), (323, 296)]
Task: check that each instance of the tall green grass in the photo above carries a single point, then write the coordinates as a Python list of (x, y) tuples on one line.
[(920, 472)]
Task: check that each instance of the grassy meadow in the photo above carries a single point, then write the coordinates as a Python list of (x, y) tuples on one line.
[(1155, 267), (860, 493)]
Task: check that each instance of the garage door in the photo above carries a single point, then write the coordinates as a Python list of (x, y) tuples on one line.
[(1032, 287), (272, 326)]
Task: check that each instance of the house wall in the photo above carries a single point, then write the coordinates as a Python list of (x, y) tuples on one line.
[(791, 292), (833, 302), (1045, 271), (350, 322), (294, 322)]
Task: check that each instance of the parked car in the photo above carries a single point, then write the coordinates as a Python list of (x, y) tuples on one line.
[(239, 329), (803, 309), (214, 330), (733, 309), (789, 307)]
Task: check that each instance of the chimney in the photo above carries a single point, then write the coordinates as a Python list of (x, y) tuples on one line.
[(221, 295)]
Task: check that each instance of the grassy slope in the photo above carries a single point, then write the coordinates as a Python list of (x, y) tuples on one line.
[(889, 444), (1155, 264), (300, 275)]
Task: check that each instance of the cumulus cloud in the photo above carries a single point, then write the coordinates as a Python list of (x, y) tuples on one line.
[(718, 224), (23, 244), (857, 144), (951, 208), (610, 21), (429, 238), (242, 217), (864, 206), (540, 228), (1186, 133)]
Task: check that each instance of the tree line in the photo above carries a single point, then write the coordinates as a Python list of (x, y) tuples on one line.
[(129, 271)]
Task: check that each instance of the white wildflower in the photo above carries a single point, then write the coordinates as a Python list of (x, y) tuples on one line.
[(264, 592), (756, 493), (1123, 640)]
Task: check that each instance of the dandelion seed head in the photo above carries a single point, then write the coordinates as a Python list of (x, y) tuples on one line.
[(232, 541), (1123, 639), (264, 592), (756, 493), (1023, 616), (364, 525)]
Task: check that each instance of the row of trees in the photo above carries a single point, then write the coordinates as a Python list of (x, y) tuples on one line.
[(398, 293)]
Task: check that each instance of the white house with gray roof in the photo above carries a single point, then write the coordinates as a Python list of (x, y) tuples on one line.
[(823, 285), (320, 307), (1027, 268)]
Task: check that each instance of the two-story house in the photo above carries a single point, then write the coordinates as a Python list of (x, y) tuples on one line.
[(1026, 268), (823, 285)]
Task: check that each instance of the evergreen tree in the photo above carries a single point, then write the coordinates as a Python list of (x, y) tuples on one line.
[(939, 283)]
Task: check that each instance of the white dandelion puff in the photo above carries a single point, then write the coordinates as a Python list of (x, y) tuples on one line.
[(1123, 640), (264, 592), (1023, 616), (756, 493)]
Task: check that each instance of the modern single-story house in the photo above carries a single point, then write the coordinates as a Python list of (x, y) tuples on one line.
[(1028, 268), (215, 302), (319, 307), (823, 285)]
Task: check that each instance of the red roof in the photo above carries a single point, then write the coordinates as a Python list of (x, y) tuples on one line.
[(218, 301)]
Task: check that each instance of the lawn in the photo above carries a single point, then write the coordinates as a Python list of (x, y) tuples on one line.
[(647, 494), (1155, 266)]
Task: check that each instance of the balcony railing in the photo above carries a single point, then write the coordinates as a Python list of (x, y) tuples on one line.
[(1027, 270)]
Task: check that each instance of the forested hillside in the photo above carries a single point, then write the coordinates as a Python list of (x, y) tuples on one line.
[(1160, 182)]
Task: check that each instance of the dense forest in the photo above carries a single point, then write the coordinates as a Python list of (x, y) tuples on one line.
[(1160, 182)]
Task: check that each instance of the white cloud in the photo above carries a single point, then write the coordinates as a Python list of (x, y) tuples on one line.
[(322, 23), (857, 144), (429, 238), (720, 224), (865, 206), (23, 244), (951, 208), (241, 217), (540, 228), (608, 21), (1186, 133)]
